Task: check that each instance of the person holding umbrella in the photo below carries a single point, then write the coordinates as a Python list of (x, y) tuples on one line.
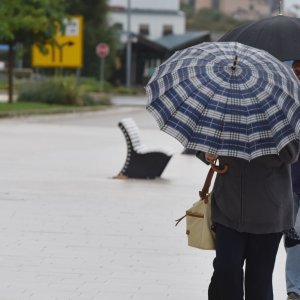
[(292, 237), (241, 105), (273, 34), (250, 209)]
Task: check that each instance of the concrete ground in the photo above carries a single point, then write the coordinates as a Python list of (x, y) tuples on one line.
[(68, 231)]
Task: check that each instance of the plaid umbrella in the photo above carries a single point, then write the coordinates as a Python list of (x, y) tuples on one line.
[(226, 98)]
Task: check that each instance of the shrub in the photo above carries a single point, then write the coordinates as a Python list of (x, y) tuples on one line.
[(122, 90), (95, 99), (92, 85), (51, 91)]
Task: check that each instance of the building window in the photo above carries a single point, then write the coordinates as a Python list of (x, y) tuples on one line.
[(144, 29), (167, 29)]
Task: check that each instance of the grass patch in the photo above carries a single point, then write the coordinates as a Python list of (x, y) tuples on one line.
[(32, 108), (21, 106)]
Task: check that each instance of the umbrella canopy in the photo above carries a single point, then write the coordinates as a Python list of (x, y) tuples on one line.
[(226, 99), (279, 35)]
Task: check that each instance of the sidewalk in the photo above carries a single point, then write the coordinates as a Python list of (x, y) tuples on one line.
[(116, 100), (4, 97), (68, 231)]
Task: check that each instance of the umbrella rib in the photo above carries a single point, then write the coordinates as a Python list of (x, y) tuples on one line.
[(172, 115), (294, 21), (209, 52), (182, 57), (179, 67), (242, 57), (264, 113), (223, 115), (245, 27), (258, 103), (243, 54), (200, 117), (174, 73), (168, 62), (248, 114)]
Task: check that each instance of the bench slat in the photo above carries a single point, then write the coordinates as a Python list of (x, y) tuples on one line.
[(133, 132)]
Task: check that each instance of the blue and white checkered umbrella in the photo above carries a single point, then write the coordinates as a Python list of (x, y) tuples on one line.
[(226, 98)]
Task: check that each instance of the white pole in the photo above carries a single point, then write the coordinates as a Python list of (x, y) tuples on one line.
[(128, 48)]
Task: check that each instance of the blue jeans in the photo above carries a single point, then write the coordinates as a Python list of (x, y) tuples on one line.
[(292, 268)]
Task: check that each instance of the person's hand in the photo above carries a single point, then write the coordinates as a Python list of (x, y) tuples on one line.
[(210, 157)]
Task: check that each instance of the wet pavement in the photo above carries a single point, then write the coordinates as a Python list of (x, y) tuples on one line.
[(68, 231)]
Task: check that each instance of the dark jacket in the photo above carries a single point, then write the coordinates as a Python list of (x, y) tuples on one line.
[(256, 196), (296, 176)]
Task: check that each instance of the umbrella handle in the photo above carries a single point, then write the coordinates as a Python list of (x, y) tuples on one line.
[(218, 169)]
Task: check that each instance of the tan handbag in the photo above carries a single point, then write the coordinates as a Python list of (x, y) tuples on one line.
[(198, 218)]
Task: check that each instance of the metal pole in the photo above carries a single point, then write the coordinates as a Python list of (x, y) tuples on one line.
[(78, 75), (102, 61), (280, 7), (128, 48)]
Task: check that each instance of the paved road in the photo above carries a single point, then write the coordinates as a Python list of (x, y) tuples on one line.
[(129, 100), (68, 231)]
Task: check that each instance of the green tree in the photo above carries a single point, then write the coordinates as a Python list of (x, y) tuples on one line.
[(96, 30), (209, 19), (27, 22)]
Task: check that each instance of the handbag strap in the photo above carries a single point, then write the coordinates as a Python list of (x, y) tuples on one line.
[(204, 192), (213, 168)]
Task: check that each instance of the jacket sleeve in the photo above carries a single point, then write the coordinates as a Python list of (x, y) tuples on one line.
[(201, 156), (288, 155)]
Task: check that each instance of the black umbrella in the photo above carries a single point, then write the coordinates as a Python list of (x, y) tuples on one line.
[(279, 35)]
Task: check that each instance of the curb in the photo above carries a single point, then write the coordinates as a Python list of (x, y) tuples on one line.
[(22, 113)]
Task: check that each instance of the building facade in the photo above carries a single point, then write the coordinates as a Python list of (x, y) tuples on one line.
[(152, 20), (241, 9), (157, 29), (149, 23)]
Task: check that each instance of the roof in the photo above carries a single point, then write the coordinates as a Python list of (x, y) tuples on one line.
[(143, 11), (3, 48), (178, 41), (172, 42)]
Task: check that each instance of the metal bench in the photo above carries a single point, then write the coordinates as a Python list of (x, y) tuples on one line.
[(141, 161)]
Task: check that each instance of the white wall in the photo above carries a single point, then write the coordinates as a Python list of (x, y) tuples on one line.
[(155, 22), (148, 4)]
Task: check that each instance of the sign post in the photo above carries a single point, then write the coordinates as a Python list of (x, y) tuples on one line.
[(102, 50)]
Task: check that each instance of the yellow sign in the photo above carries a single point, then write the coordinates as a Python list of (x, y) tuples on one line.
[(68, 50)]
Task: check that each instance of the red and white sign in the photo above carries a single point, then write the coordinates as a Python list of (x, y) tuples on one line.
[(102, 50)]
